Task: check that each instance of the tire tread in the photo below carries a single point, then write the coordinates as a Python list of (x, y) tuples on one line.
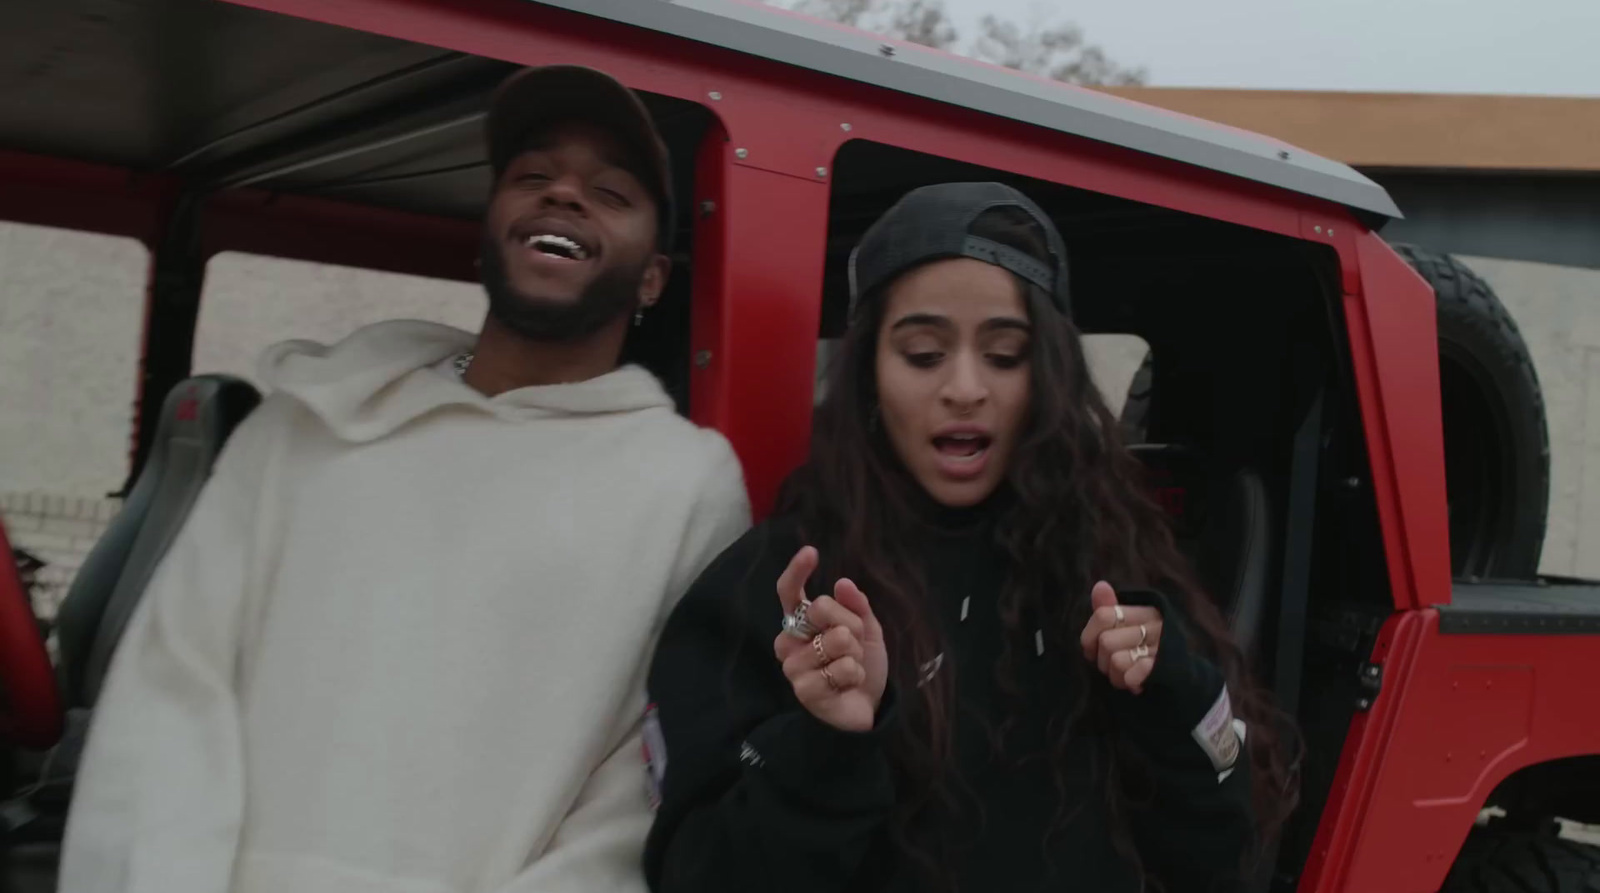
[(1523, 862)]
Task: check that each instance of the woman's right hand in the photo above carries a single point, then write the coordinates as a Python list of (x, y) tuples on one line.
[(839, 675)]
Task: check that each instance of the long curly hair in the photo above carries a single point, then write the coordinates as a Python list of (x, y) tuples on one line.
[(1077, 511)]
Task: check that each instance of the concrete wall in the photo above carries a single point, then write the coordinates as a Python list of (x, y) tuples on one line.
[(71, 317), (1558, 311), (252, 302)]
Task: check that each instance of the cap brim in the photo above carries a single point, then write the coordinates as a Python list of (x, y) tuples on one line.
[(935, 222)]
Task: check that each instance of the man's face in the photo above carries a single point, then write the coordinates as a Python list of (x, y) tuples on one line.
[(570, 238)]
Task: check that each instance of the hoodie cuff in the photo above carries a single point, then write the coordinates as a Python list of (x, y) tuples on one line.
[(815, 763), (1183, 717)]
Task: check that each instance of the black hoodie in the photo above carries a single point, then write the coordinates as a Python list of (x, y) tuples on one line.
[(758, 795)]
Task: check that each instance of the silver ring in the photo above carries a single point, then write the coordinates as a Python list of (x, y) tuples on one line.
[(1144, 633), (1116, 611), (796, 624), (1139, 653)]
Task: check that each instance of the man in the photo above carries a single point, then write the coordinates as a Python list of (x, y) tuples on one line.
[(399, 646)]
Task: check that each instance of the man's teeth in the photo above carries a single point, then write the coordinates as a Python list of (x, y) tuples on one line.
[(560, 246)]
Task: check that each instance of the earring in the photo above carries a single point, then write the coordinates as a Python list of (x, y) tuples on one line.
[(638, 317)]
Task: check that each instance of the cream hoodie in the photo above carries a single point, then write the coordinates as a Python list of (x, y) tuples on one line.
[(399, 646)]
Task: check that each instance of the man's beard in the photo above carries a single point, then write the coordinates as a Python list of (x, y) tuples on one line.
[(613, 293)]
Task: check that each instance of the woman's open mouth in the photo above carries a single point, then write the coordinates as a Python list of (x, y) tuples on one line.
[(962, 454)]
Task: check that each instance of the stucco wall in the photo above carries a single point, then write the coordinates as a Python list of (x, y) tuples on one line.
[(1558, 311)]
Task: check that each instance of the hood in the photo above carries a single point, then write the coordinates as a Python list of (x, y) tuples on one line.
[(384, 376)]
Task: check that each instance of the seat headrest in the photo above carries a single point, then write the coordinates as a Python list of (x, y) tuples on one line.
[(1171, 470), (206, 405), (196, 419), (1238, 553)]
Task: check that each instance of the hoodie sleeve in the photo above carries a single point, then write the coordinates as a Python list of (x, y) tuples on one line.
[(755, 793), (597, 845), (720, 516), (1197, 829), (159, 797)]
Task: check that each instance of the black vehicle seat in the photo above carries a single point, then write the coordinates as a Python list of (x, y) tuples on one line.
[(1236, 553), (1223, 522), (196, 419)]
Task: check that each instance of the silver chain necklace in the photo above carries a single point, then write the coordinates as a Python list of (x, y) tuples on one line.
[(461, 362)]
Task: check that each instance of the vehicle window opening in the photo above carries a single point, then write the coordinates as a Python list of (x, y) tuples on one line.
[(69, 358)]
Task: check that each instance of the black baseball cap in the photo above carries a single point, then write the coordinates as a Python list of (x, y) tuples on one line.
[(534, 99), (935, 222)]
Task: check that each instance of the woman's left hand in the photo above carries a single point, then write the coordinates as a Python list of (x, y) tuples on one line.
[(1123, 641)]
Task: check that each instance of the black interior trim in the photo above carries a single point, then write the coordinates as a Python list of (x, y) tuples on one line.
[(1522, 609)]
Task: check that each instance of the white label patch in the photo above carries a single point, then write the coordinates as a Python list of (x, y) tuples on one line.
[(655, 754), (1216, 734), (1239, 728)]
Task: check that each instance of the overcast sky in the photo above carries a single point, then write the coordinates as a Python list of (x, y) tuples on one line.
[(1457, 46)]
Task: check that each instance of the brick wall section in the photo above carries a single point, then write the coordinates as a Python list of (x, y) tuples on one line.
[(59, 530)]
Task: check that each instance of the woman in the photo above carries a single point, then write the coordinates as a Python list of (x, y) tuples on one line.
[(1003, 678)]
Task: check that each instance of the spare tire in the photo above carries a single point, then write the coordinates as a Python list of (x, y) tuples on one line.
[(1508, 862), (1496, 445)]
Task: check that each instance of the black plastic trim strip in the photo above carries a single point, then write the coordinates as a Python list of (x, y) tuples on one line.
[(1544, 608), (1458, 622)]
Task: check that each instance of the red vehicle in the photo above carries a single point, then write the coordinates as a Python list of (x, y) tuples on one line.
[(1294, 411)]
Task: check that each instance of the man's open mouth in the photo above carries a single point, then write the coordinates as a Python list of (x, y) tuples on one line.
[(556, 246)]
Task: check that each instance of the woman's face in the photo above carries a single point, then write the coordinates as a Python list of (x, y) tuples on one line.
[(953, 376)]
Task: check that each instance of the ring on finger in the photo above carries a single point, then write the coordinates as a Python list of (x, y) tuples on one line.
[(822, 652), (827, 675), (1116, 611), (1139, 653), (1144, 633), (797, 625)]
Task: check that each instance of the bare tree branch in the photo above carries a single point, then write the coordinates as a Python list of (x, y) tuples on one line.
[(923, 22), (1053, 49), (916, 21), (845, 12)]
